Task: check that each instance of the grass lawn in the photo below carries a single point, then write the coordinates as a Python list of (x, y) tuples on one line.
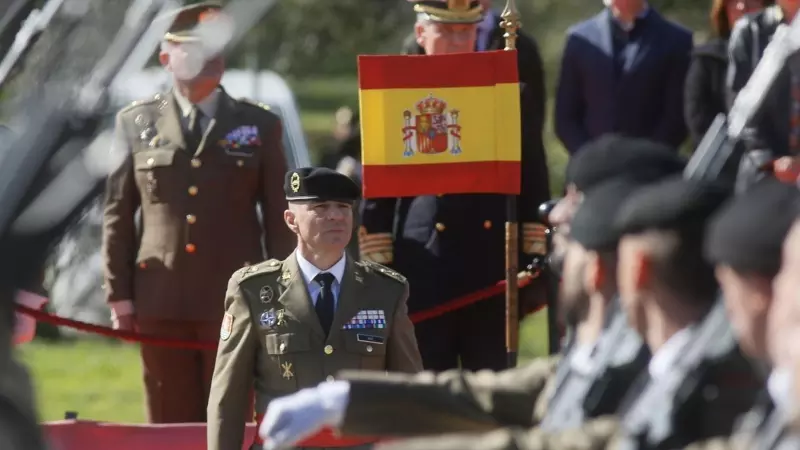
[(101, 380)]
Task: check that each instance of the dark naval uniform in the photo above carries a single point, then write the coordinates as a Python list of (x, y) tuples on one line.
[(272, 337), (452, 245)]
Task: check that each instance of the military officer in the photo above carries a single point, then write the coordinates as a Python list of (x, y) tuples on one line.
[(196, 162), (521, 396), (452, 245), (295, 323)]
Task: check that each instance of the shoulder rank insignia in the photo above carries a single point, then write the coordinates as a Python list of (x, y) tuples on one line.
[(384, 270), (254, 103), (269, 266)]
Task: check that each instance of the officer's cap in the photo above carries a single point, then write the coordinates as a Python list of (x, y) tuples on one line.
[(449, 11), (612, 155), (748, 232), (593, 223), (186, 19), (319, 184), (672, 204)]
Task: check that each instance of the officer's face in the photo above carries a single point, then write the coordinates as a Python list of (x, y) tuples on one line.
[(625, 7), (747, 301), (193, 65), (323, 226), (574, 296), (783, 326), (443, 38)]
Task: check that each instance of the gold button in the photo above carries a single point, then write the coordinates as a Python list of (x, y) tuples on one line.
[(196, 163), (150, 162), (192, 190), (329, 378), (487, 224), (239, 163), (191, 219), (369, 349), (440, 195), (328, 349), (190, 248), (439, 226)]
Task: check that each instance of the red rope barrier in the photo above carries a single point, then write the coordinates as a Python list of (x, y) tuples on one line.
[(132, 336)]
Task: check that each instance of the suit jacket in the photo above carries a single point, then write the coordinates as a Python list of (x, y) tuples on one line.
[(198, 207), (645, 101), (271, 336), (447, 402), (770, 127), (705, 93)]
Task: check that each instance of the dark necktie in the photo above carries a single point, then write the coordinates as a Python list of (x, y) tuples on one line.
[(195, 129), (325, 301)]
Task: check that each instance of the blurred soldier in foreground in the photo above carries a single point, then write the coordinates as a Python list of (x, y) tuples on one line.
[(295, 323), (196, 164), (456, 401), (744, 241), (453, 245)]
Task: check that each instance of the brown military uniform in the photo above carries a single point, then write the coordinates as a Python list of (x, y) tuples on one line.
[(447, 402), (271, 336), (198, 225)]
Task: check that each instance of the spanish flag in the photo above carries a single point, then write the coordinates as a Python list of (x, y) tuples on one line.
[(440, 124)]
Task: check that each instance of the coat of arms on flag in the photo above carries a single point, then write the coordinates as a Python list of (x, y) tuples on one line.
[(436, 130)]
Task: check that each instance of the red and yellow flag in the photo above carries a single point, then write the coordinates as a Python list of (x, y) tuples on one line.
[(441, 124)]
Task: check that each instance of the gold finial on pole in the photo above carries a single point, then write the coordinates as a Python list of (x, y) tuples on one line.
[(511, 23)]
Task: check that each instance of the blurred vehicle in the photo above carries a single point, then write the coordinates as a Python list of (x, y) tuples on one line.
[(74, 275)]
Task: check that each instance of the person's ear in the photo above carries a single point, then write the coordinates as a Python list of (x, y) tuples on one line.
[(642, 269), (419, 32), (291, 220)]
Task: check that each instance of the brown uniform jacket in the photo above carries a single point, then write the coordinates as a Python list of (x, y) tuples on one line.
[(198, 206), (271, 336), (451, 401)]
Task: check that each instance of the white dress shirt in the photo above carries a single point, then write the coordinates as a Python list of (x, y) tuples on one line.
[(310, 271), (208, 106), (779, 387)]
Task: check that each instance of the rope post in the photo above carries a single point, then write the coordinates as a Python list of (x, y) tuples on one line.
[(511, 23)]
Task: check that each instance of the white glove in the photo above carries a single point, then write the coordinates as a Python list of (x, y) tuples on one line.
[(291, 419), (25, 325)]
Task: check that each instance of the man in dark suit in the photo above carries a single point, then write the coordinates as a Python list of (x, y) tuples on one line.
[(623, 71), (449, 246)]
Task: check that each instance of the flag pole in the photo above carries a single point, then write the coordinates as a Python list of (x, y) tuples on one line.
[(511, 23)]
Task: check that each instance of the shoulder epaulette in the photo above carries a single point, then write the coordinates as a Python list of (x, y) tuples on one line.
[(381, 269), (140, 103), (268, 266), (254, 103)]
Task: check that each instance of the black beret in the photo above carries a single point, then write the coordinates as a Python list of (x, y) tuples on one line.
[(747, 234), (319, 183), (674, 203), (612, 155), (593, 223)]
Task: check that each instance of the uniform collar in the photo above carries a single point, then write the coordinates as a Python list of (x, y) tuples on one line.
[(665, 357), (310, 271), (208, 105)]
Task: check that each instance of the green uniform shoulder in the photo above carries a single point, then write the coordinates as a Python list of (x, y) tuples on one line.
[(153, 101), (370, 266), (255, 106), (262, 268)]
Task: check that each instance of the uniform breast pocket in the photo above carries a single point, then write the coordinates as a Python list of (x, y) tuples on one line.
[(283, 351), (241, 168), (153, 170), (369, 345)]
